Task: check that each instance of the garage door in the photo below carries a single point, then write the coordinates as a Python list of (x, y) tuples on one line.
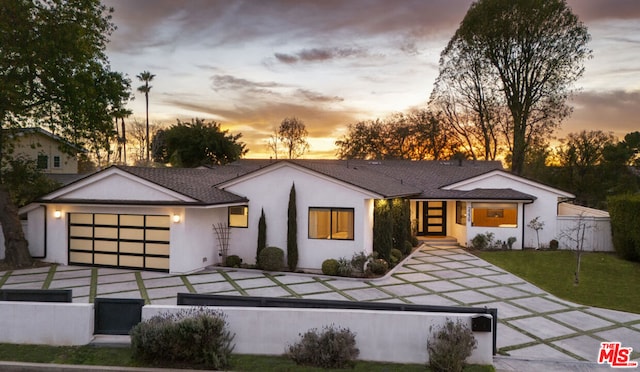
[(119, 240)]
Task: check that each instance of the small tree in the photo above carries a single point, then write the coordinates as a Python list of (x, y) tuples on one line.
[(536, 225), (575, 234), (262, 236), (292, 231)]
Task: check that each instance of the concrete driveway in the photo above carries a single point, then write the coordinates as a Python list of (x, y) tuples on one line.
[(536, 330)]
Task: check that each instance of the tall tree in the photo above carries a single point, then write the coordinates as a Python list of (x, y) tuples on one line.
[(535, 50), (146, 77), (293, 134), (262, 236), (53, 72), (292, 230), (197, 143)]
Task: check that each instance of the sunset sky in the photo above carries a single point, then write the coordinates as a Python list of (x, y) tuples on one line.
[(249, 64)]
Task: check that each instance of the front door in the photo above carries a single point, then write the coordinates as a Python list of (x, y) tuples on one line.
[(434, 221)]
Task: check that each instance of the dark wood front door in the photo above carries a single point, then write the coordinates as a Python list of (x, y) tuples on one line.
[(434, 220)]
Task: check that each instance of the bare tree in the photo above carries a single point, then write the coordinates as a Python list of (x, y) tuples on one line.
[(293, 135), (576, 235), (138, 139), (273, 143)]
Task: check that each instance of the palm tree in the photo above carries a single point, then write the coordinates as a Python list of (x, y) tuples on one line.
[(146, 77)]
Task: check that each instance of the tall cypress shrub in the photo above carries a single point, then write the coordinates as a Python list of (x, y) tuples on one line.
[(292, 231), (401, 214), (625, 225), (382, 229), (262, 236)]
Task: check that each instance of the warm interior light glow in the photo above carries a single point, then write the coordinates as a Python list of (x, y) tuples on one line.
[(57, 214), (176, 218)]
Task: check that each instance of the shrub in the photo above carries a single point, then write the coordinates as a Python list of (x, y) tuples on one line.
[(396, 256), (271, 259), (359, 261), (510, 241), (344, 267), (414, 241), (407, 247), (449, 346), (332, 348), (483, 241), (292, 231), (330, 267), (382, 228), (262, 235), (196, 336), (625, 225), (233, 261), (378, 266), (553, 244)]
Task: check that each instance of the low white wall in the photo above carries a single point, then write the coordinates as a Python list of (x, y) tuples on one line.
[(386, 336), (46, 323)]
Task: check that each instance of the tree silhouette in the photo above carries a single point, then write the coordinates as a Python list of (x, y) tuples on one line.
[(146, 77)]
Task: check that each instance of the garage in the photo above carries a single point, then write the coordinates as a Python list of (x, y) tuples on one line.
[(119, 240)]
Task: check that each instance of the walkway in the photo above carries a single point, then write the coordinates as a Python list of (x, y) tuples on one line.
[(533, 325)]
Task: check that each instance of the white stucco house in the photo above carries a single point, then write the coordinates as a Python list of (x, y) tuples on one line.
[(161, 218)]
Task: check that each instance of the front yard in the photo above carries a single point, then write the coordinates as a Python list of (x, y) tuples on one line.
[(605, 280)]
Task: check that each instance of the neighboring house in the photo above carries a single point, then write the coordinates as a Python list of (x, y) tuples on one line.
[(161, 218), (52, 154)]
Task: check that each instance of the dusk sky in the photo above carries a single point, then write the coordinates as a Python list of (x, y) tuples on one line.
[(249, 64)]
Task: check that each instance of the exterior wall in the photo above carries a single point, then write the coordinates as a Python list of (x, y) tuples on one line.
[(545, 207), (118, 187), (46, 323), (268, 331), (453, 228), (33, 144), (270, 191), (192, 242)]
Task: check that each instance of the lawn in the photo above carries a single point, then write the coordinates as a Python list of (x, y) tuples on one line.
[(605, 280), (107, 356)]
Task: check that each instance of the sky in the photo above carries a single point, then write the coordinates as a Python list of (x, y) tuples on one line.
[(248, 64)]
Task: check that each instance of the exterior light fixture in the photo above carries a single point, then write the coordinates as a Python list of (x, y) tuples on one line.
[(176, 218), (57, 214)]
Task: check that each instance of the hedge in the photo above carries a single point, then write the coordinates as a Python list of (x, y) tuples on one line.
[(625, 225)]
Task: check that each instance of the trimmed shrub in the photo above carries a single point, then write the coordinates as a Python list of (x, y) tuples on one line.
[(344, 267), (292, 231), (510, 241), (359, 262), (407, 247), (382, 228), (449, 346), (378, 266), (272, 259), (262, 236), (625, 225), (233, 261), (330, 267), (332, 348), (396, 256), (553, 244), (401, 214), (483, 241), (197, 336)]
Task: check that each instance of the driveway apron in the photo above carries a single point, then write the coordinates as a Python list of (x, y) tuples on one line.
[(536, 330)]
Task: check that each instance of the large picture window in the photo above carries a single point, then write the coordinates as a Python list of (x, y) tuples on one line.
[(494, 214), (331, 223), (239, 216)]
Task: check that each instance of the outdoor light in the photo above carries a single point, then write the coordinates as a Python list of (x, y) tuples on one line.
[(176, 218), (57, 214)]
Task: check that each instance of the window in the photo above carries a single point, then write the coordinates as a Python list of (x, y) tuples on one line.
[(43, 162), (239, 216), (331, 223), (461, 213), (494, 214), (56, 162)]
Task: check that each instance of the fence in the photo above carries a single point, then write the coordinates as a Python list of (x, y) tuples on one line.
[(597, 234)]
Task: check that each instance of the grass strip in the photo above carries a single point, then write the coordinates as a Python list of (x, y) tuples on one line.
[(93, 287), (47, 282), (5, 277), (142, 288), (281, 285), (233, 282), (122, 357), (605, 280), (187, 284)]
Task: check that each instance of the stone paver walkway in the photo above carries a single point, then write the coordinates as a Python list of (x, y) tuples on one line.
[(533, 325)]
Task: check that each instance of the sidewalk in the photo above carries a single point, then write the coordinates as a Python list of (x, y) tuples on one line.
[(533, 325)]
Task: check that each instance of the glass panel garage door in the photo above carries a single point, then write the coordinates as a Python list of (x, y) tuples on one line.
[(119, 240)]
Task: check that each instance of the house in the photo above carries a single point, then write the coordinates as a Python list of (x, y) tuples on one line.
[(162, 218), (52, 154)]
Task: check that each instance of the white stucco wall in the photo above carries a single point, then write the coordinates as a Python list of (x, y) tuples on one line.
[(270, 191), (545, 207), (268, 331), (193, 242)]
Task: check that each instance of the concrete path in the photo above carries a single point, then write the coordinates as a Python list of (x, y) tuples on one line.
[(536, 330)]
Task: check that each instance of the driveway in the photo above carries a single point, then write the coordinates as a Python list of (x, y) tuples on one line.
[(536, 330)]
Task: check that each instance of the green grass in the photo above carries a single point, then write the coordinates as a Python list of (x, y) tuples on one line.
[(109, 356), (605, 280)]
